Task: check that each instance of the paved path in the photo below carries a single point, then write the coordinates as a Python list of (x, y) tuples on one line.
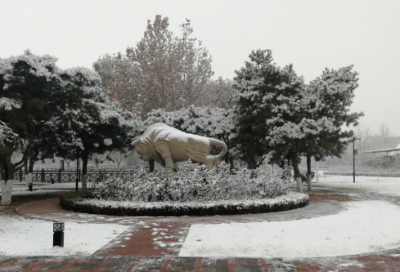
[(152, 243)]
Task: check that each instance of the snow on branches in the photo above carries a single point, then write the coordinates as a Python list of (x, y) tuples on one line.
[(8, 103), (7, 136), (278, 112), (211, 122)]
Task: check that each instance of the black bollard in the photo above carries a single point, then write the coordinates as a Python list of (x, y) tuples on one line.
[(58, 235), (30, 186)]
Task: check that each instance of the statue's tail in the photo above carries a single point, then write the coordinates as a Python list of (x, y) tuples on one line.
[(216, 159)]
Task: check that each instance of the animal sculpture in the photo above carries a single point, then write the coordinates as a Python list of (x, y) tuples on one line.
[(167, 146)]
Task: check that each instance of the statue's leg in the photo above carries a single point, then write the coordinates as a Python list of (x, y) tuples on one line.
[(163, 150), (209, 163)]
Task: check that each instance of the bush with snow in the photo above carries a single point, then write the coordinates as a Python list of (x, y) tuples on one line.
[(192, 183)]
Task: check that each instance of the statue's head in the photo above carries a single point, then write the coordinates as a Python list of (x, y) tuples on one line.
[(141, 149)]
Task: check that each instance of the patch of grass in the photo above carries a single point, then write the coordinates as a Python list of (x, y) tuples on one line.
[(67, 200), (336, 197), (72, 196)]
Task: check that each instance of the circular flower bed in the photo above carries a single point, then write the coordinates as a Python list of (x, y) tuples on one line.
[(193, 191)]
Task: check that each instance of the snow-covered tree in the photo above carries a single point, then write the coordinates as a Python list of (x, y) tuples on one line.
[(362, 132), (7, 137), (117, 157), (116, 73), (256, 84), (163, 71), (196, 66), (277, 112), (331, 96), (28, 86), (98, 126), (46, 111), (218, 93)]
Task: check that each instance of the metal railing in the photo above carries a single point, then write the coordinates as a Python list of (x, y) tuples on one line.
[(62, 176)]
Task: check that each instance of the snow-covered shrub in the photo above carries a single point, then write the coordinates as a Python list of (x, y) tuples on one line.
[(192, 183)]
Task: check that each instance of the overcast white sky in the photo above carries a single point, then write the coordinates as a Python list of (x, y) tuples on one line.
[(310, 34)]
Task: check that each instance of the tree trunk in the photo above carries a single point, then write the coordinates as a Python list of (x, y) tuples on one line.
[(31, 164), (309, 176), (309, 186), (28, 176), (251, 163), (7, 179), (226, 158), (296, 170), (6, 191), (119, 161), (85, 160), (232, 166), (26, 167)]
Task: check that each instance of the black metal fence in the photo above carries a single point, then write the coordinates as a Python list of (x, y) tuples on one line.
[(61, 176)]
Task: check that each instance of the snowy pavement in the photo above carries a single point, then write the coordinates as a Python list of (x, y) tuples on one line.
[(382, 185), (366, 226), (22, 237), (358, 227), (347, 233)]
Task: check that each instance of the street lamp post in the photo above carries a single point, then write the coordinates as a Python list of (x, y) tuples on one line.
[(77, 169), (354, 160), (354, 164)]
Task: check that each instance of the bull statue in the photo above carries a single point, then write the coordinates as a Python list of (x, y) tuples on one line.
[(167, 146)]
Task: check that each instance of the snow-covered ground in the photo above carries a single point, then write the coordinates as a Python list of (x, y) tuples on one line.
[(382, 185), (20, 188), (20, 236), (32, 237), (365, 226)]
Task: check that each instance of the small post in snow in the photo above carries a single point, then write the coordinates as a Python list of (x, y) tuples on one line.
[(58, 234)]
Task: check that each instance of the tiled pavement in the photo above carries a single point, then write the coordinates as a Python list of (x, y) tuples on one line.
[(136, 263), (152, 244), (157, 263)]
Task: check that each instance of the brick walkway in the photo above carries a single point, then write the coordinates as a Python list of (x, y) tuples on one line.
[(373, 263), (153, 243), (143, 263)]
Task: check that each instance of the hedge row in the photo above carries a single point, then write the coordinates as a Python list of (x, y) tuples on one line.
[(193, 183), (358, 173), (72, 202)]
